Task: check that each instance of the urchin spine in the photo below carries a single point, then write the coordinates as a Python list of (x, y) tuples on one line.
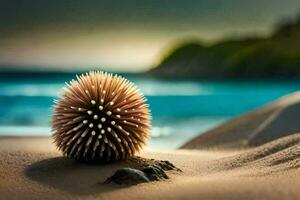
[(101, 117)]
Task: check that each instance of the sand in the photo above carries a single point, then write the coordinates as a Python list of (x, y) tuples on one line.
[(32, 169), (278, 119), (255, 156)]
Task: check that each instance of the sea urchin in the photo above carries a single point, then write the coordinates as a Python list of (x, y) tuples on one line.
[(100, 117)]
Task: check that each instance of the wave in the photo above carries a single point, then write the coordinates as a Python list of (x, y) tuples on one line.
[(53, 90)]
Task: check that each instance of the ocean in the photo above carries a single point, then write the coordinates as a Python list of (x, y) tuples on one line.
[(181, 109)]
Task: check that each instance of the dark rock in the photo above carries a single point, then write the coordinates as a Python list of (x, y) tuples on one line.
[(166, 165), (140, 163), (128, 176), (142, 170), (154, 173)]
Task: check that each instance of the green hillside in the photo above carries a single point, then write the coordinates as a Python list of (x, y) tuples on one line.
[(275, 57)]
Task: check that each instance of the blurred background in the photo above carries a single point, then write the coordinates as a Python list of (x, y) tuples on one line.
[(199, 63)]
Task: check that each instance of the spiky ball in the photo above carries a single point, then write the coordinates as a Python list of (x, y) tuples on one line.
[(100, 117)]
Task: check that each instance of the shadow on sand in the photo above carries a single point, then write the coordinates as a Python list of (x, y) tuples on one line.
[(71, 176)]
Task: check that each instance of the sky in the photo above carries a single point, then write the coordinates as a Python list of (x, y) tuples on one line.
[(123, 35)]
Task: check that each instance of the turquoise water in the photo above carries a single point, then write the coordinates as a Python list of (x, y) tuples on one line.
[(180, 109)]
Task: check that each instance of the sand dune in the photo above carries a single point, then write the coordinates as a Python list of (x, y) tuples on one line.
[(278, 119), (278, 156), (32, 169)]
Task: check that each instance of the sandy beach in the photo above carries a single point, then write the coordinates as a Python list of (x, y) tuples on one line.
[(150, 100), (275, 120), (32, 169), (258, 159)]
